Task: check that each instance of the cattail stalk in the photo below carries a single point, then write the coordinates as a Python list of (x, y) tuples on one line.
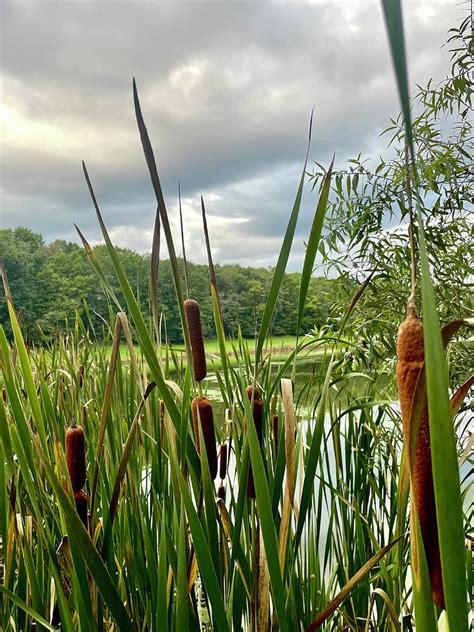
[(193, 318), (410, 354), (80, 500), (201, 409)]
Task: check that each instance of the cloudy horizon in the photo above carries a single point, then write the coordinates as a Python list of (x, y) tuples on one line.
[(226, 91)]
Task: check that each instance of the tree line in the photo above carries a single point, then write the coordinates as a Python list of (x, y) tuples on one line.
[(51, 283)]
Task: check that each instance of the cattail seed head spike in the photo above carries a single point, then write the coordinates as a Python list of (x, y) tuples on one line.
[(201, 410), (410, 356), (193, 318), (223, 460), (76, 456)]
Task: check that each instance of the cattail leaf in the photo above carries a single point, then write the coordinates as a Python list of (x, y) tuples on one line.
[(26, 608), (390, 609), (212, 272), (181, 578), (154, 266), (282, 260), (155, 181), (313, 243), (460, 394), (181, 224), (443, 447), (161, 600)]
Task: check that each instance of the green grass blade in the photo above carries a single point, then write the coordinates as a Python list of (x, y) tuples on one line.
[(26, 608)]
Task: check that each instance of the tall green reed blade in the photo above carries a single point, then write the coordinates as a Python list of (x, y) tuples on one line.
[(155, 180), (154, 265), (183, 248), (282, 259), (443, 445), (313, 243), (212, 272), (26, 608)]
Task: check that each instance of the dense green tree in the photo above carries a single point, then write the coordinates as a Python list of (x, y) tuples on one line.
[(52, 283)]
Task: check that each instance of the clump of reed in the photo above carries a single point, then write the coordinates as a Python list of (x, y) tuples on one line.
[(76, 465)]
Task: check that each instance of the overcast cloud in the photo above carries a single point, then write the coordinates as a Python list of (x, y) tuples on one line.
[(226, 90)]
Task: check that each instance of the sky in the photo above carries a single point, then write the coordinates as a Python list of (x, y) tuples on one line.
[(226, 90)]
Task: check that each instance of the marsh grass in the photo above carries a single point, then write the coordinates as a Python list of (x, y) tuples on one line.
[(324, 543)]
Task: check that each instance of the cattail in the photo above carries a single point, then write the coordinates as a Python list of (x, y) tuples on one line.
[(223, 460), (76, 456), (257, 413), (410, 354), (80, 499), (202, 410), (221, 492), (193, 317)]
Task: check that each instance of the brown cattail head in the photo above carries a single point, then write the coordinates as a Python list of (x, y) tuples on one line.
[(253, 392), (410, 355), (221, 492), (80, 499), (202, 411), (223, 460), (257, 414), (76, 456), (193, 317)]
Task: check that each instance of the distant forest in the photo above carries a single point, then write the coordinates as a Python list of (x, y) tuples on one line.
[(51, 283)]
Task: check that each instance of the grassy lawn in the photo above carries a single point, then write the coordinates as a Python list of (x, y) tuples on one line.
[(280, 345)]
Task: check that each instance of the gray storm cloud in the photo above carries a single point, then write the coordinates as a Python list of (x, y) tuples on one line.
[(226, 90)]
